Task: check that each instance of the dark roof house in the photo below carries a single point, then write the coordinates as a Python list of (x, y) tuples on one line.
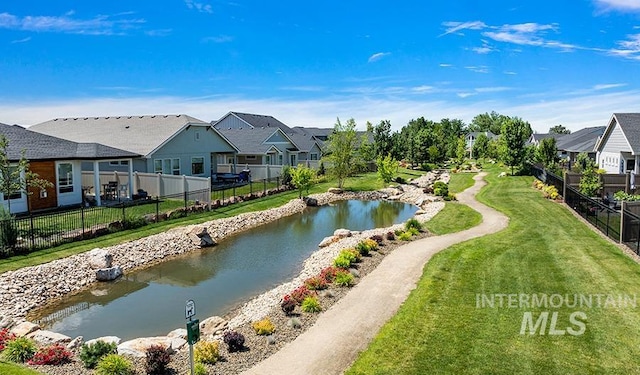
[(618, 150)]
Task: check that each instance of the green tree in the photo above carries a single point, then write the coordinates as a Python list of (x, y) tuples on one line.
[(387, 168), (366, 152), (488, 122), (559, 129), (590, 182), (15, 176), (451, 130), (514, 135), (480, 146), (341, 152), (547, 152), (583, 162), (461, 151), (382, 142), (302, 178)]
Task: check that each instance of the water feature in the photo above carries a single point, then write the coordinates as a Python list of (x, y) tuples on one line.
[(151, 301)]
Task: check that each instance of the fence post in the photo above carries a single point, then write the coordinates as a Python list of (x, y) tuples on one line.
[(622, 204), (158, 209), (33, 236), (185, 200), (264, 187), (564, 185), (250, 187), (627, 182), (82, 219), (209, 194), (608, 215)]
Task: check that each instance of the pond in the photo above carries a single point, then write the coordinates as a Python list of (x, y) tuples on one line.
[(151, 302)]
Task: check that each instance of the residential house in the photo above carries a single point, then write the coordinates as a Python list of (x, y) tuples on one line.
[(618, 149), (471, 138), (321, 134), (536, 138), (168, 144), (581, 141), (263, 140), (57, 161)]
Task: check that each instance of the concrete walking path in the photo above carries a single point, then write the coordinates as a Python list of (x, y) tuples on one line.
[(332, 344)]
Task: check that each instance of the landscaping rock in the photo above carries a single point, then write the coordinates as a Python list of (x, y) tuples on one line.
[(200, 237), (213, 326), (24, 328), (326, 241), (99, 258), (311, 202), (342, 233), (335, 190), (75, 343), (44, 338), (138, 347), (108, 274), (108, 339), (178, 333)]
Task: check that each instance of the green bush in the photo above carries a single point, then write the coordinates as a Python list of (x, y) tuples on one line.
[(405, 236), (206, 352), (8, 229), (440, 189), (114, 364), (316, 283), (367, 245), (311, 305), (131, 221), (19, 350), (346, 258), (90, 355), (342, 262), (263, 327), (199, 369), (449, 197), (413, 224), (157, 359), (343, 278)]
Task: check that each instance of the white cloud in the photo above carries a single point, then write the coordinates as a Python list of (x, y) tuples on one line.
[(23, 40), (629, 48), (478, 69), (607, 86), (465, 94), (218, 39), (455, 27), (160, 32), (508, 72), (200, 7), (99, 25), (378, 56), (422, 89), (446, 65), (620, 5)]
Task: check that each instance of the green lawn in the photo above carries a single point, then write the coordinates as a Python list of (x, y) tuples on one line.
[(460, 181), (545, 250), (14, 369), (454, 217)]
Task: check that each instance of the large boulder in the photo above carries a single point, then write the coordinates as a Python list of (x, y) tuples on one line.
[(178, 333), (138, 347), (342, 233), (24, 328), (108, 274), (311, 202), (107, 339), (213, 326), (200, 237), (99, 258), (327, 241), (335, 190), (44, 337)]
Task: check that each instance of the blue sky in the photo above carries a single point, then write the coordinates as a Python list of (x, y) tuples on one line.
[(549, 62)]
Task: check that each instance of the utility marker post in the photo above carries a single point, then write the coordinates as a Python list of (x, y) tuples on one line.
[(193, 329)]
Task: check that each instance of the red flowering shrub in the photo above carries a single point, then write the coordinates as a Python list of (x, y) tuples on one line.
[(316, 283), (5, 336), (287, 305), (55, 354), (300, 293), (329, 274)]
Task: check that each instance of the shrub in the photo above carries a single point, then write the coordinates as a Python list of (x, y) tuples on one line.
[(206, 352), (400, 180), (8, 229), (413, 224), (5, 337), (450, 197), (294, 323), (311, 305), (344, 278), (342, 261), (263, 327), (234, 341), (440, 188), (54, 355), (90, 354), (398, 232), (114, 364), (550, 192), (287, 305), (199, 369), (316, 283), (300, 293), (131, 221), (365, 246), (390, 236), (353, 254), (157, 359), (19, 350), (329, 274), (378, 238), (413, 231), (405, 236)]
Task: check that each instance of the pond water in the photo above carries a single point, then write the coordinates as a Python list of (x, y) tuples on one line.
[(151, 302)]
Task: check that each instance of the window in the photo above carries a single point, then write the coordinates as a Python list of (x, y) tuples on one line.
[(268, 160), (167, 166), (14, 195), (197, 165), (313, 156), (250, 157), (197, 136), (65, 177), (121, 162)]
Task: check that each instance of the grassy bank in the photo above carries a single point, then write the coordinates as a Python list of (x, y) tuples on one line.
[(544, 251)]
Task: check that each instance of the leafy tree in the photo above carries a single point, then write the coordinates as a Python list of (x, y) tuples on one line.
[(514, 135), (547, 152), (451, 131), (493, 148), (15, 177), (433, 153), (341, 150), (488, 122), (387, 168), (461, 151), (366, 152), (480, 146), (382, 142), (590, 182), (302, 178), (583, 162), (559, 129)]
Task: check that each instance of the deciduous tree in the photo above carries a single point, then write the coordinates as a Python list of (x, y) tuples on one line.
[(514, 135), (341, 151)]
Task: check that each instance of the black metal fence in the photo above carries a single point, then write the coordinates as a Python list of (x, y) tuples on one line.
[(616, 222), (26, 233)]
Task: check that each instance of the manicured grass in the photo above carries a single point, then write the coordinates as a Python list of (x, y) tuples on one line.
[(14, 369), (545, 250), (454, 217), (460, 182)]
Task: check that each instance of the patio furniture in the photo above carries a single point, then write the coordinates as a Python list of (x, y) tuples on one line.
[(110, 190)]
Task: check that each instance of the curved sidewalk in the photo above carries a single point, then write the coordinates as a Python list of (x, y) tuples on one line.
[(332, 344)]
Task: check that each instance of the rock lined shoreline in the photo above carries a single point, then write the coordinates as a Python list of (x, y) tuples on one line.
[(31, 287)]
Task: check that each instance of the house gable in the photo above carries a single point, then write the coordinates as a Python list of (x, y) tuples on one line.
[(616, 141), (277, 137)]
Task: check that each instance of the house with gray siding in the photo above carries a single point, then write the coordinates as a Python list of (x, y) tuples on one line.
[(618, 150), (168, 144)]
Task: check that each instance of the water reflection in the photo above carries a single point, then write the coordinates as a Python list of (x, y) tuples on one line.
[(150, 302)]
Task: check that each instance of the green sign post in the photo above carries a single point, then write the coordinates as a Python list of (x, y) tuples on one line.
[(193, 328)]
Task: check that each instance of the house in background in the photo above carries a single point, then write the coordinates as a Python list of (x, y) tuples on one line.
[(168, 144), (470, 139), (536, 138), (264, 142), (618, 150), (581, 141), (59, 162)]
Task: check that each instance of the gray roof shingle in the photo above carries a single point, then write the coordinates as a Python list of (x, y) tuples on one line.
[(250, 141), (139, 134), (40, 146), (262, 121), (630, 125), (584, 140)]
